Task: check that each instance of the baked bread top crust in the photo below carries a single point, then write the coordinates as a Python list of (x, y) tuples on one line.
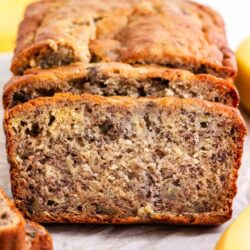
[(176, 33), (62, 99)]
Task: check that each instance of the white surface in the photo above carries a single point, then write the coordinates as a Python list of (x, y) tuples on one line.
[(236, 16), (77, 237)]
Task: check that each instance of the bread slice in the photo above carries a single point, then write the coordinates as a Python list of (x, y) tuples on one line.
[(18, 234), (12, 232), (110, 79), (172, 33), (93, 159), (37, 238)]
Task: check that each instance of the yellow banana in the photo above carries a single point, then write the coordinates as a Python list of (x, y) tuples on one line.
[(236, 236), (11, 13), (243, 78)]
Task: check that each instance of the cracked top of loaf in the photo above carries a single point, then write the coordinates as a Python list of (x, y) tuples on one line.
[(173, 33)]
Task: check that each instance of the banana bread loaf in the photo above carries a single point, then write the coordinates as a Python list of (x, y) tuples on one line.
[(176, 33), (12, 231), (93, 159), (112, 79)]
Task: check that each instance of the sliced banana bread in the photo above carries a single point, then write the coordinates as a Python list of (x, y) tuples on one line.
[(12, 231), (18, 234), (37, 238), (172, 33), (93, 159), (112, 79)]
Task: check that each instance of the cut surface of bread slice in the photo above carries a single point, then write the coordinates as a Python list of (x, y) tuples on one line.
[(118, 79), (37, 238), (176, 33), (12, 232), (93, 159)]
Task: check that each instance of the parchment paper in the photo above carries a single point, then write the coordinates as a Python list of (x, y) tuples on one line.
[(141, 237)]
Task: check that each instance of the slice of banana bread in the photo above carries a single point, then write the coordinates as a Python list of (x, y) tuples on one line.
[(112, 79), (37, 238), (12, 232), (18, 234), (172, 33), (93, 159)]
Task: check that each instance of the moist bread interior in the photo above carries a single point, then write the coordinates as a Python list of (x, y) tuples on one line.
[(118, 160)]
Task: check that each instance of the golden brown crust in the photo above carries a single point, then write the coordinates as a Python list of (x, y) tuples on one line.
[(58, 78), (64, 98), (38, 237), (180, 34), (168, 103), (13, 237), (178, 219)]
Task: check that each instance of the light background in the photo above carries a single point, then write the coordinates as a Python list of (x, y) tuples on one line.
[(76, 237), (236, 14)]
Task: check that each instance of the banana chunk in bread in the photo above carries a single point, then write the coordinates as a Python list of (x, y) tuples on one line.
[(118, 79), (173, 33), (93, 159)]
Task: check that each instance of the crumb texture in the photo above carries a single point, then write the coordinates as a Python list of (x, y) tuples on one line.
[(56, 33), (89, 160)]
